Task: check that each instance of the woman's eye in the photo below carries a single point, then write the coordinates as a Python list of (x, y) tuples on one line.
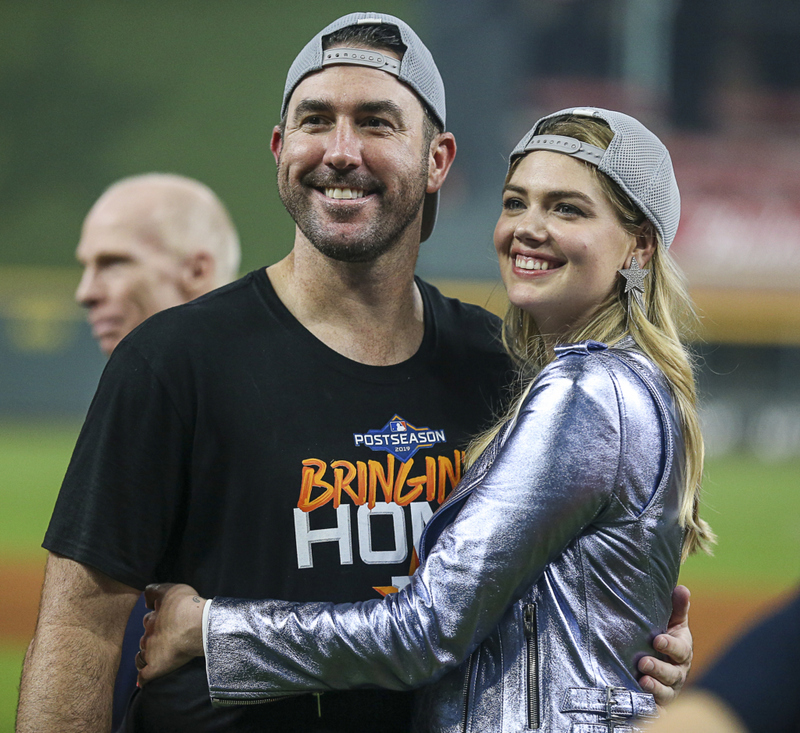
[(512, 204), (569, 209)]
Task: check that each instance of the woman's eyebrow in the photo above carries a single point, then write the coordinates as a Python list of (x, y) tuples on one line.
[(570, 194), (555, 194)]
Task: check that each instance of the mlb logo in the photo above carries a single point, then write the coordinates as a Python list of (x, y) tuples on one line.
[(398, 426)]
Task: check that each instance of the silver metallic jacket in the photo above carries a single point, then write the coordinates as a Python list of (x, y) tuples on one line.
[(544, 576)]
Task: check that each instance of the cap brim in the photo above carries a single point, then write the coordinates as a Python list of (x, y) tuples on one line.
[(429, 211)]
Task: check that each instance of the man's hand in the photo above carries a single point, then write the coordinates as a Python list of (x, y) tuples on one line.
[(665, 679), (173, 630)]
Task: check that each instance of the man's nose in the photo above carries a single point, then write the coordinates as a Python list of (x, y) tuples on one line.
[(88, 291), (344, 147)]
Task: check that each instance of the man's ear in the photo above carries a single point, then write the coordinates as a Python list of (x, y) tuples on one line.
[(442, 155), (276, 143), (198, 275)]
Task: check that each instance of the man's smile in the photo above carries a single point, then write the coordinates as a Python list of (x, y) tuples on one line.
[(344, 193)]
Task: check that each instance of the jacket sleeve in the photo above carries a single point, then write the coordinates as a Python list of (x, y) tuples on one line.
[(555, 472)]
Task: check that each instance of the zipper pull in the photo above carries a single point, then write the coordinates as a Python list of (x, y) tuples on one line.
[(318, 695), (529, 619)]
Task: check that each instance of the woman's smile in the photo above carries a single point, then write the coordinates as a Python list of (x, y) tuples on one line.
[(559, 241)]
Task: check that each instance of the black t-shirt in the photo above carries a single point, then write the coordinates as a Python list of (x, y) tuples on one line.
[(228, 448)]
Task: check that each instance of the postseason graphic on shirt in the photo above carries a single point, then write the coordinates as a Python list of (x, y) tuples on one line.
[(400, 438), (399, 486)]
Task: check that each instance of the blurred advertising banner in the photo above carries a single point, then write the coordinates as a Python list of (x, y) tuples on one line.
[(49, 363), (738, 245), (739, 238)]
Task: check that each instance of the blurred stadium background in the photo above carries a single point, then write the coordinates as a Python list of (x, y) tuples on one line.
[(94, 90)]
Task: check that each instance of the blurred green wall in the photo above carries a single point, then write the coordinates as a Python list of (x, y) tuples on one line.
[(93, 90)]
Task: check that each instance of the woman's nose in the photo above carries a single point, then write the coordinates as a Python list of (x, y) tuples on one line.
[(531, 228)]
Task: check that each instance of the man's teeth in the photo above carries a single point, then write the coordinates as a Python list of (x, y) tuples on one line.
[(344, 193), (531, 263)]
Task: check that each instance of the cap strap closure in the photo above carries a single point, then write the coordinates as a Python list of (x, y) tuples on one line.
[(361, 57), (566, 145)]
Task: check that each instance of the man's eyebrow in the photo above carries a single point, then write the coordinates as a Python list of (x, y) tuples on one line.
[(382, 106), (308, 106), (372, 107)]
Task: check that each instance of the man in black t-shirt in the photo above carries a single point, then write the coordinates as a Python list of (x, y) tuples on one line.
[(288, 435)]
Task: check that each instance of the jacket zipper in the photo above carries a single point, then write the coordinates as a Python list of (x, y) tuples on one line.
[(465, 696), (262, 701), (532, 649), (217, 701)]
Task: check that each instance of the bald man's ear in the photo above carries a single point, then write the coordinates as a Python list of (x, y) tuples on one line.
[(198, 274)]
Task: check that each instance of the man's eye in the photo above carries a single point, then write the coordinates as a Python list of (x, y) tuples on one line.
[(376, 122), (313, 121), (113, 261)]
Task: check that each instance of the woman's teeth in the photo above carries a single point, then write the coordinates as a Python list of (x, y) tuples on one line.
[(530, 263)]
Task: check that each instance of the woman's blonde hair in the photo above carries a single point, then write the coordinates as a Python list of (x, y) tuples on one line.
[(657, 333)]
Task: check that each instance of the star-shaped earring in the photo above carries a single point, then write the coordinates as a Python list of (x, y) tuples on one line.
[(634, 284)]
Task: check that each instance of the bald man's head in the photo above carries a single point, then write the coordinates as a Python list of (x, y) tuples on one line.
[(151, 242)]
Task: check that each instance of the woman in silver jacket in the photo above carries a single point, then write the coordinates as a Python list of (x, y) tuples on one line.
[(548, 571)]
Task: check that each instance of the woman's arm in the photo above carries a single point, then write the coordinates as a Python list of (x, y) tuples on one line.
[(552, 477), (174, 635)]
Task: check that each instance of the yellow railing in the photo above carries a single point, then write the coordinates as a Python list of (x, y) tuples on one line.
[(757, 317), (39, 312)]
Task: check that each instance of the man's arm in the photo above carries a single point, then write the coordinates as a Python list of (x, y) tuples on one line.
[(68, 676)]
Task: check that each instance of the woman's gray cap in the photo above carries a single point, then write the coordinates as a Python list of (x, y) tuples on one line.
[(636, 159), (416, 69)]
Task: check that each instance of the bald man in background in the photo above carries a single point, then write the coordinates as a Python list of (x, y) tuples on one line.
[(150, 242)]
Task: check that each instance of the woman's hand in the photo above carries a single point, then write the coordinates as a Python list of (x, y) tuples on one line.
[(173, 630)]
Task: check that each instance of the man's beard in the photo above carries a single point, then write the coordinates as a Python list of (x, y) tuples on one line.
[(395, 213)]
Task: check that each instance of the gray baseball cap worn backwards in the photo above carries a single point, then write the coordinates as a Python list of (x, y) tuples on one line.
[(416, 69), (635, 158)]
